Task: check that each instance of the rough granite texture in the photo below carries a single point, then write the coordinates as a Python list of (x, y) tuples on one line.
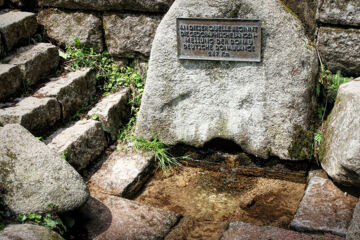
[(16, 26), (81, 143), (343, 12), (72, 90), (112, 111), (324, 208), (339, 49), (28, 232), (340, 150), (111, 217), (63, 27), (112, 5), (129, 35), (10, 80), (35, 176), (247, 231), (260, 106), (353, 232), (36, 61), (123, 173), (35, 114)]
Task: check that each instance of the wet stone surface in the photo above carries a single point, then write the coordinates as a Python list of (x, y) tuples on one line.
[(324, 208), (209, 199), (246, 231)]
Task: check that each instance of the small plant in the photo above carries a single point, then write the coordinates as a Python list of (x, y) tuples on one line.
[(94, 117), (63, 155), (161, 151), (327, 88), (318, 137), (81, 110), (50, 220)]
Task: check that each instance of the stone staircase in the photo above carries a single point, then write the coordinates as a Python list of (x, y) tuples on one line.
[(47, 111)]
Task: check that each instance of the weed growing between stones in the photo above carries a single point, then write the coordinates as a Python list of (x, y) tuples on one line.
[(111, 77), (161, 151), (50, 220), (326, 90)]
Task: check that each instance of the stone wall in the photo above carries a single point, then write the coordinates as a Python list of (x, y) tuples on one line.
[(335, 26), (125, 28)]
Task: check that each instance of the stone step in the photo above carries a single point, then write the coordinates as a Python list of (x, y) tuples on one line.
[(35, 61), (111, 217), (16, 26), (80, 143), (123, 173), (112, 111), (247, 231), (35, 114), (72, 90), (10, 80), (324, 208)]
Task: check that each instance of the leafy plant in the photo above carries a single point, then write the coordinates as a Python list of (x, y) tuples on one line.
[(110, 76), (63, 155), (50, 220), (94, 117), (318, 137), (161, 151), (327, 88)]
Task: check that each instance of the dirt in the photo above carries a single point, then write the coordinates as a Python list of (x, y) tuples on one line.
[(209, 200)]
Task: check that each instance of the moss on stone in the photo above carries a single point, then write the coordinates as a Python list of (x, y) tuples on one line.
[(302, 147), (327, 132), (290, 11)]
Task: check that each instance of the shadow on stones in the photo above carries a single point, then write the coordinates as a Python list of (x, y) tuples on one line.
[(95, 217)]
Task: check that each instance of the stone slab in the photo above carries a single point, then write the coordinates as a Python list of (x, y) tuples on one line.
[(35, 114), (10, 80), (112, 111), (36, 61), (353, 232), (339, 50), (324, 208), (130, 35), (16, 26), (28, 232), (63, 27), (111, 5), (35, 176), (342, 12), (263, 107), (81, 143), (111, 217), (247, 231), (340, 149), (123, 173), (72, 90)]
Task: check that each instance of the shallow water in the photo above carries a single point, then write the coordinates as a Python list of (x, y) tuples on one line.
[(209, 200)]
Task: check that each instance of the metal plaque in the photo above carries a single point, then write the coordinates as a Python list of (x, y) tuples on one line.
[(219, 39)]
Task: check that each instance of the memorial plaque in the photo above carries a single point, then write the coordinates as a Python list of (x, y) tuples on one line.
[(219, 39)]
